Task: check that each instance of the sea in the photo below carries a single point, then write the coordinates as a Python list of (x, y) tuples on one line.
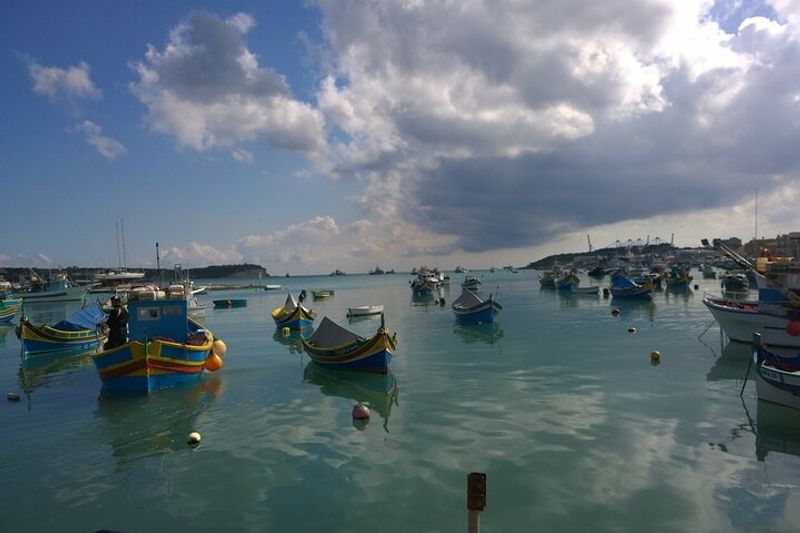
[(559, 403)]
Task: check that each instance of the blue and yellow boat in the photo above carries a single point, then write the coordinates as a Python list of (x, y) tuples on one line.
[(622, 287), (165, 347), (80, 332), (293, 315), (8, 308), (333, 346)]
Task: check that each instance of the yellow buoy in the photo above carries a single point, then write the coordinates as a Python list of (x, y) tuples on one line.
[(213, 362), (655, 358), (219, 347), (286, 332), (194, 438)]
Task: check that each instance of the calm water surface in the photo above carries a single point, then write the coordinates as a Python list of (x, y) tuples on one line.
[(557, 402)]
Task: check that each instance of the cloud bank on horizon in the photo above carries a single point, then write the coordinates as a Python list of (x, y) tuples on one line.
[(481, 126)]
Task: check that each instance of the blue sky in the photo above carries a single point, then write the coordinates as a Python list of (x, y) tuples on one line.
[(321, 135)]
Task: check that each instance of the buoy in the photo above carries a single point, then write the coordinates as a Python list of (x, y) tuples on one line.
[(696, 287), (655, 358), (631, 329), (213, 362), (793, 328), (441, 301), (12, 397), (219, 347), (360, 412), (286, 332), (194, 438), (615, 311)]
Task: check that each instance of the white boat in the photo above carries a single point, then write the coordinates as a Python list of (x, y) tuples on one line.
[(740, 319), (57, 289), (271, 287), (593, 289), (364, 310), (777, 377)]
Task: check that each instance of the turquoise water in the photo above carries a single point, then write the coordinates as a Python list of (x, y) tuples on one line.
[(557, 403)]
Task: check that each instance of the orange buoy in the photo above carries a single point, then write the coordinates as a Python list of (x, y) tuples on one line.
[(213, 362), (793, 328)]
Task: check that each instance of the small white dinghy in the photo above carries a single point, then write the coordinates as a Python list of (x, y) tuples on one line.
[(364, 310)]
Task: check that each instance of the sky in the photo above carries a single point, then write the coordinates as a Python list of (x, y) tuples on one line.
[(320, 135)]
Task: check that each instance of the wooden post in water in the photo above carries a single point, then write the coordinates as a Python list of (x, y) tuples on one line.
[(476, 499)]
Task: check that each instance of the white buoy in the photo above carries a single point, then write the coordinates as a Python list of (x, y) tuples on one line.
[(219, 348), (12, 397), (631, 329), (360, 412), (194, 438)]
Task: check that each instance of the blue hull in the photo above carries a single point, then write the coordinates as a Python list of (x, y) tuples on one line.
[(378, 362), (32, 347), (297, 324), (484, 315)]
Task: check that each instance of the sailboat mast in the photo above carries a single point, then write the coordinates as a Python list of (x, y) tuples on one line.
[(124, 256), (119, 257)]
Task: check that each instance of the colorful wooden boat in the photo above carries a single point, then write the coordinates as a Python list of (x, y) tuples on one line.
[(426, 282), (622, 287), (472, 283), (293, 315), (333, 346), (81, 331), (567, 281), (57, 289), (777, 377), (678, 279), (230, 302), (9, 308), (165, 348), (469, 307)]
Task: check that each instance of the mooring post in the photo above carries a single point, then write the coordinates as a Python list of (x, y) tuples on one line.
[(476, 499)]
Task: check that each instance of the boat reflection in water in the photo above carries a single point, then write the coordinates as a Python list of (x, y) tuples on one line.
[(777, 430), (142, 426), (45, 369), (489, 333), (294, 340), (4, 330), (376, 391)]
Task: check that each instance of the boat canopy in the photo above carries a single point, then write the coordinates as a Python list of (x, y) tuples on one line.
[(87, 318), (329, 334), (290, 304), (467, 299), (621, 282)]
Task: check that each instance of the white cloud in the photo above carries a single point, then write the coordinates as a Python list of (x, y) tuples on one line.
[(241, 155), (194, 254), (71, 82), (206, 88), (108, 147)]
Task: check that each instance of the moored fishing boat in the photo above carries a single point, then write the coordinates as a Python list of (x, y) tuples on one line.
[(472, 283), (293, 315), (84, 330), (735, 285), (165, 347), (678, 279), (56, 289), (469, 307), (333, 346), (321, 294), (8, 309), (425, 282), (777, 324), (777, 377), (590, 289), (364, 310), (567, 281), (622, 287)]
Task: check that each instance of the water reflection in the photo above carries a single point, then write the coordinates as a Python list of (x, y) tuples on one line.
[(732, 363), (470, 333), (778, 430), (376, 391), (636, 308), (5, 329), (41, 370), (294, 340), (144, 426)]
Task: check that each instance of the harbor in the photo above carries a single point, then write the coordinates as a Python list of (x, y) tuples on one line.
[(557, 397)]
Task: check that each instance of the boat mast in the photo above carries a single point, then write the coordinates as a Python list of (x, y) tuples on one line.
[(119, 257), (124, 257)]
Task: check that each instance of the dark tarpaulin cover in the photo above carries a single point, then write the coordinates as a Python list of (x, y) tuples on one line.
[(467, 300), (621, 282), (86, 318), (329, 334)]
